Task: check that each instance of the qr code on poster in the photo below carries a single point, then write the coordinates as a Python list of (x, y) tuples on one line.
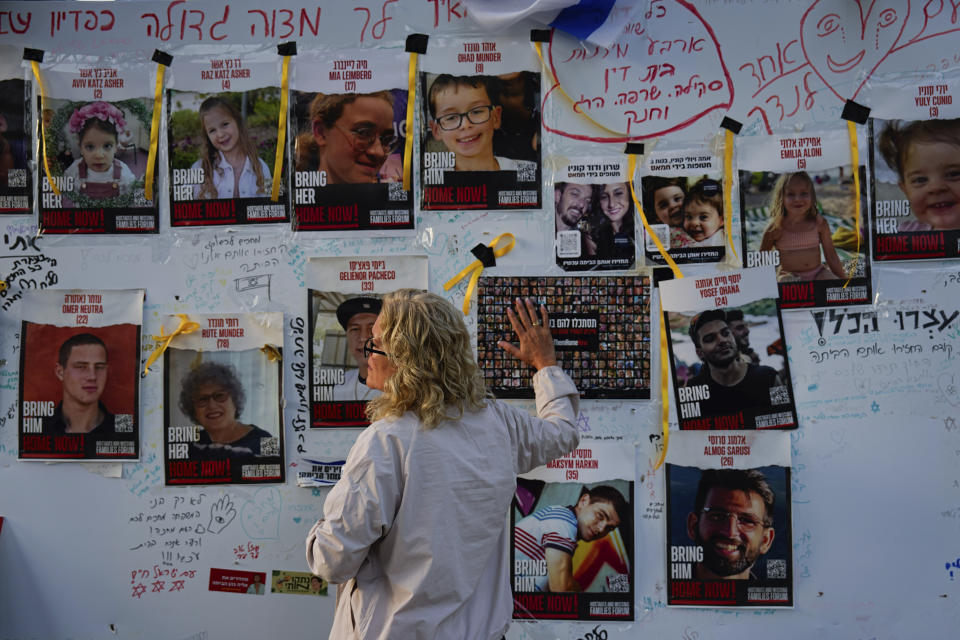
[(140, 198), (662, 232), (568, 244), (270, 446), (619, 583), (777, 568), (17, 178), (123, 423), (779, 395), (526, 172), (395, 192)]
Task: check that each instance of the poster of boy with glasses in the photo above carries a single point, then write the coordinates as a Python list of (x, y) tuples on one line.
[(728, 520), (481, 139), (683, 205), (349, 114), (222, 400), (344, 299), (223, 128)]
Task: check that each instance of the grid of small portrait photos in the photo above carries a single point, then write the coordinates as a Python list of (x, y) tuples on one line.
[(600, 326)]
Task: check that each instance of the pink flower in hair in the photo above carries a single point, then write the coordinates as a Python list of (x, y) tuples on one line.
[(100, 110)]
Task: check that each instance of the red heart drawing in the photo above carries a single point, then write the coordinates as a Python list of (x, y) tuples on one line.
[(840, 45)]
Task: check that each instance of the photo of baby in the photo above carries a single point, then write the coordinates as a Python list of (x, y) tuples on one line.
[(916, 182), (926, 157), (100, 149), (687, 215)]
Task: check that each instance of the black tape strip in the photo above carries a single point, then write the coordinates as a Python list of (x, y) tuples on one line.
[(417, 43), (287, 49), (633, 149), (661, 274), (540, 35), (162, 57), (33, 55), (855, 112), (731, 125), (485, 255)]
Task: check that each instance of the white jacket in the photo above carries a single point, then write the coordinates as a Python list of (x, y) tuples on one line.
[(417, 525)]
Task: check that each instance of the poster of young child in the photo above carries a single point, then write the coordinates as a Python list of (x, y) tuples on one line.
[(222, 420), (798, 213), (682, 198), (96, 122), (349, 113), (344, 298), (572, 536), (594, 215), (915, 152), (600, 327), (16, 192), (729, 532), (481, 125), (223, 116), (720, 379), (79, 374)]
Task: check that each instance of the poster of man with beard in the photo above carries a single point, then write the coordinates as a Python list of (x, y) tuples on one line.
[(728, 520)]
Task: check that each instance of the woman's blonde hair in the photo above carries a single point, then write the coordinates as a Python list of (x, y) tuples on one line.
[(778, 210), (430, 346)]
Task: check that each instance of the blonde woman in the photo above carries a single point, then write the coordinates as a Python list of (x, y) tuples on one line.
[(414, 532)]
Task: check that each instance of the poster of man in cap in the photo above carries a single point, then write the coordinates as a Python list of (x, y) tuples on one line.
[(341, 322)]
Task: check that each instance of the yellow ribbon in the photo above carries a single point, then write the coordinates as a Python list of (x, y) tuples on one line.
[(3, 285), (163, 340), (272, 352), (43, 127), (154, 132), (665, 398), (556, 82), (475, 268), (631, 169), (411, 105), (281, 129), (855, 159), (728, 189)]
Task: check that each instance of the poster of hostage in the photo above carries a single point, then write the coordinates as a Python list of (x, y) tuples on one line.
[(572, 536), (95, 123), (600, 327), (344, 298), (79, 375), (728, 358), (222, 387), (799, 214), (16, 176), (481, 125), (915, 153), (729, 533), (594, 215), (349, 113), (683, 203), (222, 123)]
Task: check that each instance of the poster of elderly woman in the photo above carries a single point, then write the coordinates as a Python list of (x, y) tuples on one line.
[(222, 413)]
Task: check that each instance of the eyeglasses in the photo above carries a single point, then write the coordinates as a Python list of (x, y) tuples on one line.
[(219, 397), (363, 136), (368, 349), (477, 115), (745, 522)]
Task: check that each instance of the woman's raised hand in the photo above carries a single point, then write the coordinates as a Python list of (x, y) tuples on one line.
[(533, 332)]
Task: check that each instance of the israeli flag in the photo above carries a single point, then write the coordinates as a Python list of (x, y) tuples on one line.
[(599, 21)]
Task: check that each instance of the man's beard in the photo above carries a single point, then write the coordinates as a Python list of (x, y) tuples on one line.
[(723, 567)]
